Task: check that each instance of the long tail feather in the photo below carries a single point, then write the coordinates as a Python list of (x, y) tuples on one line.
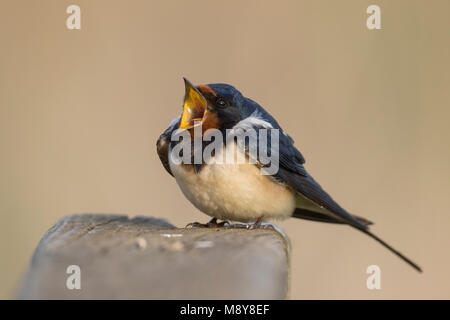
[(396, 252)]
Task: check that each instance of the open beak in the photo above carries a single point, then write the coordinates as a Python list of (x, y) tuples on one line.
[(194, 106)]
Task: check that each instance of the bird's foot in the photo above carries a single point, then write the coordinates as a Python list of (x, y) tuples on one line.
[(262, 225), (211, 224), (237, 225), (259, 224), (196, 225), (252, 226)]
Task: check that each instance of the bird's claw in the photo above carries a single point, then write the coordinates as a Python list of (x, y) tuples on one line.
[(196, 225), (263, 226), (211, 224), (216, 224), (226, 224)]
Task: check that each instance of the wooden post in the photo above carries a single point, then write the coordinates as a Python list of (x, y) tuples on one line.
[(148, 258)]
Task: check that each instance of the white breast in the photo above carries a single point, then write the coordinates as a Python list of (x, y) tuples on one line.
[(236, 192)]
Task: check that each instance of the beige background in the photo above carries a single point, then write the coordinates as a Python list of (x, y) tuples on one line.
[(80, 112)]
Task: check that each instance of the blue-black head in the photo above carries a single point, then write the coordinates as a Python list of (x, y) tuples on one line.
[(219, 106)]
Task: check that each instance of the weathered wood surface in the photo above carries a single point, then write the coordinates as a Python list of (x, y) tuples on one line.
[(148, 258)]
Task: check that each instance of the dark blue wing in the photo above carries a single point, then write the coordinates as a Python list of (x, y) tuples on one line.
[(290, 158), (163, 144), (308, 187), (292, 173)]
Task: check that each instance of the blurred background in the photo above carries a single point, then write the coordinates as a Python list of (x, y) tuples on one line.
[(80, 112)]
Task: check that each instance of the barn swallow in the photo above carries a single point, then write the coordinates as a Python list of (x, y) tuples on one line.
[(239, 192)]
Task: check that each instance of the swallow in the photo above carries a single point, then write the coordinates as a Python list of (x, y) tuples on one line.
[(239, 192)]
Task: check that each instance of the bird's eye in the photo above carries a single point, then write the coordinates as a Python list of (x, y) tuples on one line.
[(221, 102)]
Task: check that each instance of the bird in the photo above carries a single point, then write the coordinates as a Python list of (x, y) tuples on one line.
[(239, 191)]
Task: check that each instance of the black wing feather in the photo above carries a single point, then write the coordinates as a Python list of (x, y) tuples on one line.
[(321, 217), (163, 144), (308, 187)]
